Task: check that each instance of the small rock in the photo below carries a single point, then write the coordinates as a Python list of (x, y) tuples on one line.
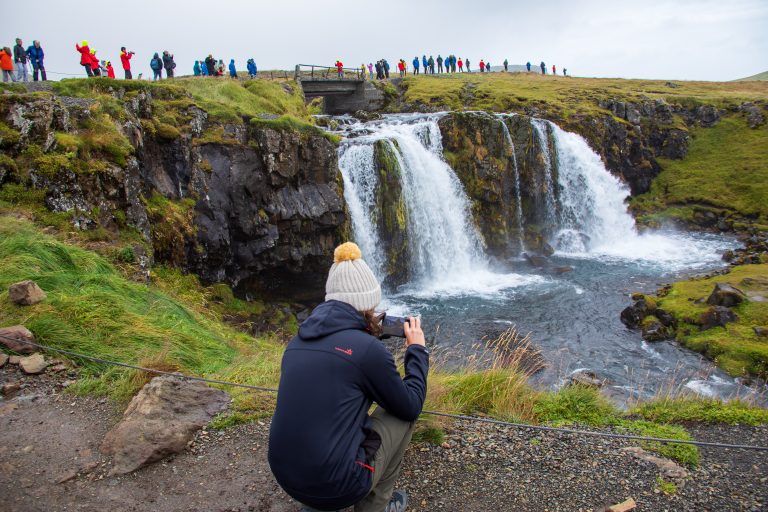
[(725, 295), (10, 389), (632, 316), (624, 506), (562, 270), (654, 330), (761, 331), (14, 360), (14, 337), (3, 359), (26, 293), (67, 476), (33, 364), (717, 316), (669, 470)]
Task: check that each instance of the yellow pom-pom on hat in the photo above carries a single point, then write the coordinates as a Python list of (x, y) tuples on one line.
[(350, 279), (348, 251)]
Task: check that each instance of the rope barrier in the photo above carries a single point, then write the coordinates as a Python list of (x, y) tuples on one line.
[(433, 413)]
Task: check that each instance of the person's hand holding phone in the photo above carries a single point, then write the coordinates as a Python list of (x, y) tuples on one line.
[(413, 333)]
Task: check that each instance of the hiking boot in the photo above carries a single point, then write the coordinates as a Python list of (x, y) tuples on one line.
[(397, 502)]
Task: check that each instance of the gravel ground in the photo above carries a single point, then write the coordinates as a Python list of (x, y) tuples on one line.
[(49, 461)]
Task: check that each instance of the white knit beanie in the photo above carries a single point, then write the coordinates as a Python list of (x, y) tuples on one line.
[(351, 281)]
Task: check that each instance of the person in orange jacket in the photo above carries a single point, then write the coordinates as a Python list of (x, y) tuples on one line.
[(6, 64), (110, 70), (85, 56)]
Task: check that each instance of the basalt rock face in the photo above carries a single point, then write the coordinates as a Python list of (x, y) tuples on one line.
[(256, 205), (508, 183)]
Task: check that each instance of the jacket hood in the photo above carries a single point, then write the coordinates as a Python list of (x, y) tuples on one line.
[(330, 317)]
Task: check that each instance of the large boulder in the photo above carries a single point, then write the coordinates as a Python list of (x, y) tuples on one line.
[(725, 295), (160, 420), (654, 329), (716, 316), (26, 293), (13, 339)]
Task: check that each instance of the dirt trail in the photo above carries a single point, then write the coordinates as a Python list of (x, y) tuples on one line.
[(49, 461)]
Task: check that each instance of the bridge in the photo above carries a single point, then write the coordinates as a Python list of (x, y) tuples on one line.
[(342, 93)]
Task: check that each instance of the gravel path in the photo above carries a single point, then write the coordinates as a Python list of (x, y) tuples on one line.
[(49, 461)]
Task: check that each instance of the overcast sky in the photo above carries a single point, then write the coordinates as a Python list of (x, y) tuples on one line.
[(665, 39)]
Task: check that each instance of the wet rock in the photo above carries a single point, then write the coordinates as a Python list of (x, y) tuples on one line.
[(536, 260), (725, 295), (13, 339), (546, 249), (717, 316), (364, 115), (34, 364), (26, 293), (160, 420), (632, 316), (654, 330), (562, 270), (760, 331), (3, 359), (666, 319), (586, 378), (728, 255)]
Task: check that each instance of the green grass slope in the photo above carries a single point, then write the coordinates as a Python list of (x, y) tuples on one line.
[(759, 76), (726, 169)]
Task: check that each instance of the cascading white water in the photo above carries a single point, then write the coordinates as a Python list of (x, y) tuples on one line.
[(540, 126), (445, 249), (592, 216), (518, 196)]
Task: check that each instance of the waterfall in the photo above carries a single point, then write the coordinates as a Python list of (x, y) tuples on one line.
[(518, 196), (443, 243), (542, 135)]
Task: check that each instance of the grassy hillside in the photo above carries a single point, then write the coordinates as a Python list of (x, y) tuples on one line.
[(726, 170), (759, 76), (504, 92)]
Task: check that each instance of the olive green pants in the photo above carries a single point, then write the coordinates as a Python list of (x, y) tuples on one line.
[(395, 437)]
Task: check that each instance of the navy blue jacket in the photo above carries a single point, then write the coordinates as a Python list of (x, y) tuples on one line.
[(321, 442)]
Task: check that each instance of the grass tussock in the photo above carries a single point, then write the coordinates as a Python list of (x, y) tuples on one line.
[(680, 410)]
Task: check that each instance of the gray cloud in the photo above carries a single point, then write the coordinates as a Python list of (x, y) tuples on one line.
[(686, 39)]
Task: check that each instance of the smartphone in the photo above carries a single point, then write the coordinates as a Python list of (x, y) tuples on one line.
[(393, 326)]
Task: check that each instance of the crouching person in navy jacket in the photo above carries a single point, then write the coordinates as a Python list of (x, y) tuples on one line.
[(324, 448)]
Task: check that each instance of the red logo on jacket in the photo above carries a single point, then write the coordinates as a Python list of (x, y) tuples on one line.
[(347, 351)]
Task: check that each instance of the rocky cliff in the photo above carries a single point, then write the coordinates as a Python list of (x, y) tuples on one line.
[(255, 203)]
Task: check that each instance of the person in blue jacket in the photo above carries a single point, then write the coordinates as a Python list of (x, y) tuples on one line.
[(36, 55), (528, 65), (203, 68), (252, 68), (415, 65), (196, 68), (325, 450), (232, 69), (425, 64)]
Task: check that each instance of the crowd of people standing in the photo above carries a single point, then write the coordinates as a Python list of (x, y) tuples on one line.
[(431, 66), (13, 62)]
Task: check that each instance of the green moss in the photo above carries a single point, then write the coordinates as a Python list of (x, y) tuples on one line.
[(668, 488), (167, 132), (679, 410), (215, 135), (291, 124), (725, 169), (736, 348), (8, 136), (684, 453), (172, 227)]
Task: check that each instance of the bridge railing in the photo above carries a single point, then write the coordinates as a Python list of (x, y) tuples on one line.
[(317, 72)]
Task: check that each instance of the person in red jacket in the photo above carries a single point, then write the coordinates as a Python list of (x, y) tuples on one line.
[(340, 68), (125, 59), (554, 70), (85, 56), (482, 66), (110, 70), (95, 64)]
